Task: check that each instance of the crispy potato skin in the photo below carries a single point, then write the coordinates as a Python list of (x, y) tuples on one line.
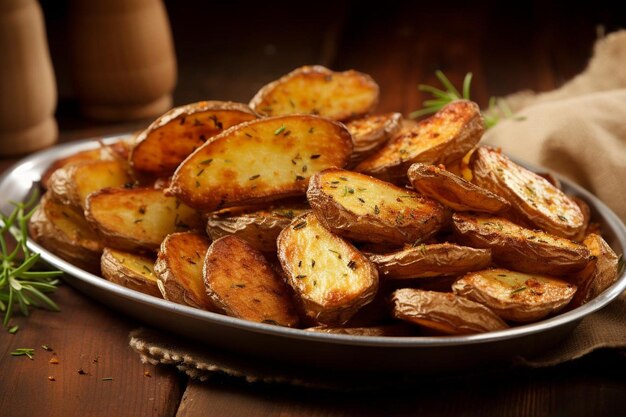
[(364, 208), (138, 219), (533, 197), (518, 248), (260, 161), (445, 312), (257, 225), (172, 137), (179, 270), (370, 133), (130, 270), (453, 191), (515, 296), (329, 275), (242, 283), (424, 261), (320, 91), (445, 137), (63, 230)]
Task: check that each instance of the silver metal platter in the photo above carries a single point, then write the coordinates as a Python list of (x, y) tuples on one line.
[(270, 343)]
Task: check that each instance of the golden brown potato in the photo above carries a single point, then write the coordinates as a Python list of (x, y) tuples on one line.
[(586, 211), (138, 219), (363, 208), (532, 197), (453, 191), (319, 91), (64, 231), (389, 330), (331, 278), (370, 133), (242, 283), (73, 183), (260, 161), (515, 296), (440, 139), (435, 260), (172, 137), (179, 270), (130, 270), (444, 312), (257, 225), (518, 248)]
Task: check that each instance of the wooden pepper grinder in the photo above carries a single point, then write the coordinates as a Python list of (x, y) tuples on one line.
[(28, 93), (122, 58)]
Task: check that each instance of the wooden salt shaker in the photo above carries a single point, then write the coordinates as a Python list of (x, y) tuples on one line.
[(122, 58), (28, 93)]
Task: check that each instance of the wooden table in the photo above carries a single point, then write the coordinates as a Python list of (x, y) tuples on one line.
[(223, 57)]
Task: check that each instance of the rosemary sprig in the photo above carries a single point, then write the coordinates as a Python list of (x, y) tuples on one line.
[(18, 284)]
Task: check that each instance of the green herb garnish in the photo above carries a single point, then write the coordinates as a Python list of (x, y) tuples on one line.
[(24, 352), (279, 130)]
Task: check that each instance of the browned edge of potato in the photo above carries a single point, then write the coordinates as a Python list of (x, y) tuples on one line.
[(516, 296), (319, 91), (260, 161), (243, 284), (130, 270), (370, 133), (518, 248), (364, 208), (331, 277), (179, 270), (532, 196), (386, 330), (161, 147), (445, 137), (444, 312)]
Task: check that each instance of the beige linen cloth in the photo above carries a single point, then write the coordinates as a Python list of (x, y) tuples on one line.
[(578, 131)]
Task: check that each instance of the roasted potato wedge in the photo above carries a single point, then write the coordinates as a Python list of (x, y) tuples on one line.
[(63, 230), (366, 209), (532, 196), (370, 133), (440, 139), (424, 261), (453, 191), (242, 283), (73, 183), (259, 226), (174, 136), (332, 278), (518, 248), (515, 296), (447, 313), (389, 330), (130, 270), (179, 270), (260, 161), (320, 91), (139, 218)]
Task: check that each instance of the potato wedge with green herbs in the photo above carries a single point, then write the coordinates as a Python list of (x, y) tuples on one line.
[(533, 197), (257, 225), (130, 270), (453, 191), (447, 313), (435, 260), (518, 248), (515, 296), (63, 230), (243, 284), (260, 161), (329, 275), (179, 270), (73, 183), (320, 91), (366, 209), (445, 137), (174, 136), (370, 133), (138, 219)]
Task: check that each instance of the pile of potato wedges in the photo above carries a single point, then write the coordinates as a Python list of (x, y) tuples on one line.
[(305, 209)]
